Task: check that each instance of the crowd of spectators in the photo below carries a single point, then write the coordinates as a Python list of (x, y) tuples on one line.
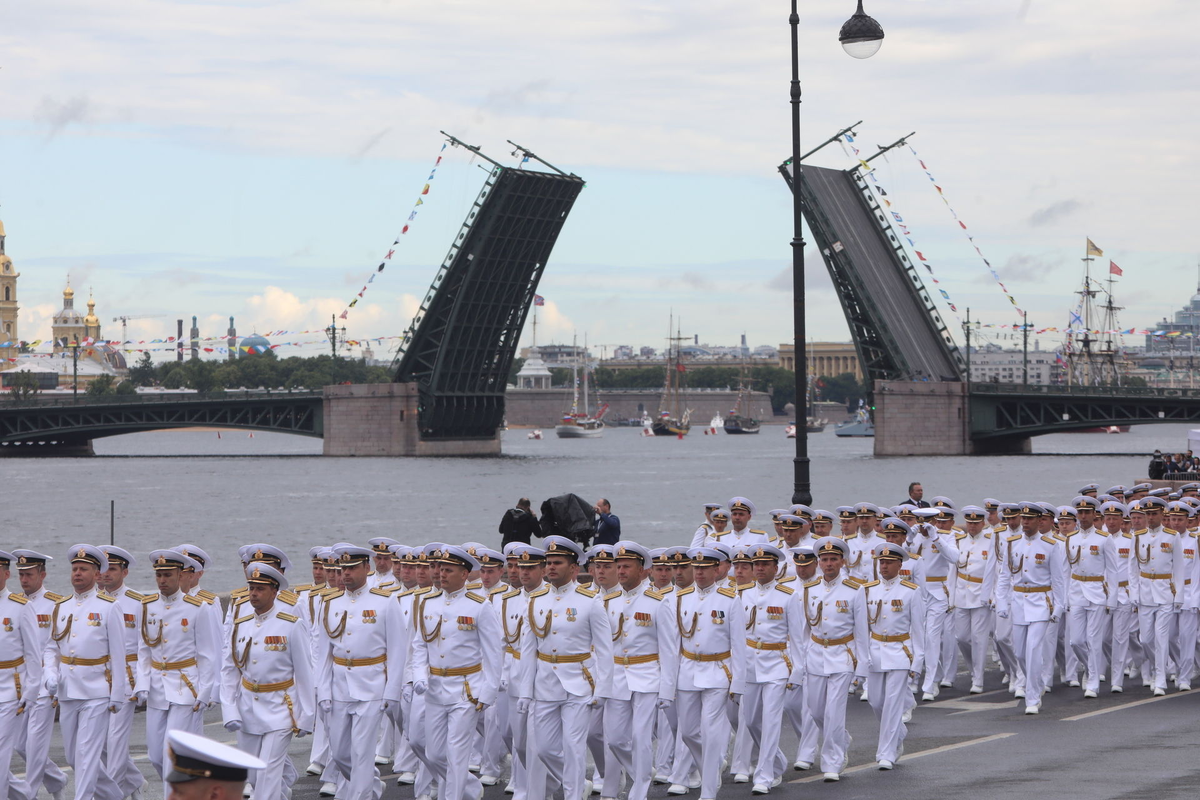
[(1163, 466)]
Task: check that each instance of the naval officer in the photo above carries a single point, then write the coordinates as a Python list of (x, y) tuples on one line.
[(20, 674), (84, 660), (202, 769), (118, 761), (267, 693)]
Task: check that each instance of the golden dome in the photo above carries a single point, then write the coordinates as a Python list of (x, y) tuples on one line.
[(68, 293), (91, 319)]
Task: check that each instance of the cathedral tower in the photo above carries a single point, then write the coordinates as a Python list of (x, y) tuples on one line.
[(8, 303)]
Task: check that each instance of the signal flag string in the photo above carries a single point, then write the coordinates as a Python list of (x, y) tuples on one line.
[(412, 216)]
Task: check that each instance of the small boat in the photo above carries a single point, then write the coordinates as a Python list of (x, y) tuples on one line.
[(666, 425), (814, 425), (578, 426), (861, 426), (735, 423), (536, 433), (675, 422), (790, 430)]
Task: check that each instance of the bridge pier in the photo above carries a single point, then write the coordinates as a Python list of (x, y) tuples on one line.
[(924, 418), (381, 419)]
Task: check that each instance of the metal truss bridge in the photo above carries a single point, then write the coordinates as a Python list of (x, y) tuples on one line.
[(69, 426), (1000, 410)]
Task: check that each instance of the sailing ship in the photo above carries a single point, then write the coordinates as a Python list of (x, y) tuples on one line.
[(577, 424), (736, 422), (673, 420)]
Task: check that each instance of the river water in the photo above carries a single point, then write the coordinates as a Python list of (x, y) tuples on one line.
[(191, 486)]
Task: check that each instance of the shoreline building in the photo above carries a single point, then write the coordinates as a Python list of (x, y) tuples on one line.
[(8, 304), (1186, 325)]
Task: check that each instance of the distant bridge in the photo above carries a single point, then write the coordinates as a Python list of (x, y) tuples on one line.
[(68, 426), (1000, 410)]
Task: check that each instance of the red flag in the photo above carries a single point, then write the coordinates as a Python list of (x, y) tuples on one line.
[(1113, 269), (390, 252), (918, 252), (960, 222), (681, 367), (405, 230)]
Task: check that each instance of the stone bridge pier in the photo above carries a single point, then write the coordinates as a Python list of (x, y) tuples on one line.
[(918, 418)]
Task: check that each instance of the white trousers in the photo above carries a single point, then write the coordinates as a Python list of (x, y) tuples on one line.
[(938, 624), (118, 763), (84, 725), (1003, 639), (353, 730), (449, 739), (890, 697), (35, 749), (1189, 628), (418, 740), (971, 630), (826, 699), (704, 729), (1086, 629), (161, 720), (558, 745), (497, 737), (763, 705), (274, 782), (1154, 623), (319, 752), (629, 730), (1030, 646), (664, 742), (795, 710), (1124, 631), (11, 730), (743, 742), (519, 726), (602, 759)]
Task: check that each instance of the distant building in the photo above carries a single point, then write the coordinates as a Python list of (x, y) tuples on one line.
[(825, 359), (1187, 321), (993, 365), (622, 351), (533, 373), (647, 352), (253, 345), (9, 341)]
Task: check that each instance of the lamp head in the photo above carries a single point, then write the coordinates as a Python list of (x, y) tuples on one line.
[(861, 36)]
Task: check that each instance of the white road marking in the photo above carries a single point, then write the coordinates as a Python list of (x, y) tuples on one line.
[(919, 754), (1124, 706)]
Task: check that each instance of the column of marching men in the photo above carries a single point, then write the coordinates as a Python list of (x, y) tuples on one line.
[(462, 667)]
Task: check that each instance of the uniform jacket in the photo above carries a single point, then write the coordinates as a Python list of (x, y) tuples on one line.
[(178, 653), (130, 603), (775, 638), (711, 623), (263, 654), (458, 632), (1033, 581), (643, 625), (512, 610), (835, 613), (896, 621), (1158, 567), (87, 627), (566, 645), (975, 570), (1091, 557), (361, 626), (939, 564), (20, 650)]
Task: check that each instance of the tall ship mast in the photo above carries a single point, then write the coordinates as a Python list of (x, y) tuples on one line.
[(577, 424), (1092, 345), (738, 421), (673, 419)]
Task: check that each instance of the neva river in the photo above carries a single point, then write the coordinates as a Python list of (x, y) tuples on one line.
[(190, 486)]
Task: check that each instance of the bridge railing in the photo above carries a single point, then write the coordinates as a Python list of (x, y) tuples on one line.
[(67, 401), (1082, 391)]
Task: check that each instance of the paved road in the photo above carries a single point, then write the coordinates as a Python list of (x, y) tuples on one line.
[(1124, 746)]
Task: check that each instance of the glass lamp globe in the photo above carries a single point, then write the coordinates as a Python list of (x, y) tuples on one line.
[(861, 36)]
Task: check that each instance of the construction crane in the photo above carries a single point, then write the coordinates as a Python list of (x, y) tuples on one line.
[(125, 322)]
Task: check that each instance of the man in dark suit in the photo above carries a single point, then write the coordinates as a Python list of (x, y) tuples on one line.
[(915, 493), (608, 529)]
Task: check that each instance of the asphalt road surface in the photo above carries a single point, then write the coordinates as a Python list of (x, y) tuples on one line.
[(1127, 746)]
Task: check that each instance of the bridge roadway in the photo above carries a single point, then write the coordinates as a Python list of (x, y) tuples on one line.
[(68, 425), (1125, 746), (1000, 410)]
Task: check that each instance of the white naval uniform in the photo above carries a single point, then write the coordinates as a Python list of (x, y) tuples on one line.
[(361, 667), (835, 619), (1125, 649), (973, 599), (713, 667), (731, 538), (896, 618), (84, 669), (267, 686), (456, 660), (700, 537), (118, 762), (497, 736), (645, 648), (1158, 593), (1032, 590), (860, 564), (936, 577), (566, 664), (1189, 616), (309, 598), (774, 650), (1002, 626), (1091, 557), (39, 714), (514, 606), (20, 682), (178, 670)]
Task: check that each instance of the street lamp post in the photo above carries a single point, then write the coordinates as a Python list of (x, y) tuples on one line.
[(861, 37)]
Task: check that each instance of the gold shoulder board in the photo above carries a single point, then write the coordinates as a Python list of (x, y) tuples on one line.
[(586, 592), (287, 596), (381, 592), (149, 598), (54, 597), (852, 584), (478, 598), (655, 594), (690, 589), (785, 589), (513, 593), (1013, 538), (196, 601), (335, 594), (108, 598), (812, 583), (539, 592), (286, 617), (246, 618), (869, 584), (613, 595), (18, 598), (135, 595), (725, 590), (909, 584)]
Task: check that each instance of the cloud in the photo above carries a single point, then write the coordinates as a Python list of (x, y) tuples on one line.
[(56, 115), (1054, 212), (1025, 267)]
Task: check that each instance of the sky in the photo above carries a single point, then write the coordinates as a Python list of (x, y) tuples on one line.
[(258, 158)]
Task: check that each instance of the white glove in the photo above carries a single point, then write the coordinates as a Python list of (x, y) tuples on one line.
[(664, 704), (50, 681), (393, 710), (523, 705), (325, 705), (233, 726), (301, 734), (791, 687), (419, 687), (1054, 618), (407, 693), (141, 696)]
